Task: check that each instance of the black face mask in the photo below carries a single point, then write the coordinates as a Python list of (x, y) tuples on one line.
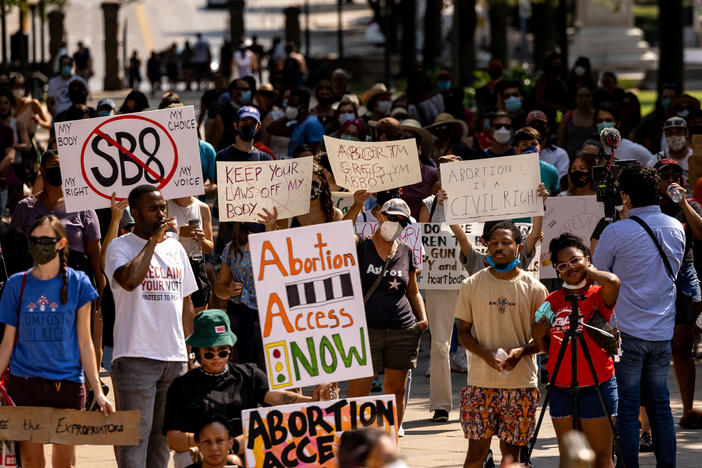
[(580, 178), (254, 228), (53, 176), (77, 96), (247, 132)]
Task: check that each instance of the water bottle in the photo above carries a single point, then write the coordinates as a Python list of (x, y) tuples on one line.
[(675, 194), (196, 252)]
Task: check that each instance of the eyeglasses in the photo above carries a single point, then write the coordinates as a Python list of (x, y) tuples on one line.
[(397, 219), (209, 354), (570, 263), (43, 240)]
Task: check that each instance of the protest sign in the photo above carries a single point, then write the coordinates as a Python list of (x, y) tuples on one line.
[(576, 215), (342, 200), (310, 305), (411, 235), (373, 165), (72, 427), (491, 189), (245, 188), (307, 434), (442, 266), (117, 153)]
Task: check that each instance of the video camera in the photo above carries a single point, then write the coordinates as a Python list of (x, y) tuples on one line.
[(607, 185)]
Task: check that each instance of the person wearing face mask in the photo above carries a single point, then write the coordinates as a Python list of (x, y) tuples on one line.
[(494, 311), (78, 94), (377, 101), (49, 372), (353, 130), (677, 137), (580, 180), (298, 123), (501, 129), (394, 308), (346, 110), (648, 131), (608, 91), (57, 98), (82, 227), (222, 133), (246, 126), (323, 110), (105, 107), (550, 153), (580, 76), (607, 116), (511, 101)]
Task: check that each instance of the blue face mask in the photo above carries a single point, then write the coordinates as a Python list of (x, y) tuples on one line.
[(665, 103), (246, 97), (513, 104), (104, 113), (602, 125), (530, 149), (345, 117), (66, 70), (507, 268), (284, 104), (443, 85)]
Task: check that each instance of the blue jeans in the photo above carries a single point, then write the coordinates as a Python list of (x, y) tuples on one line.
[(642, 378)]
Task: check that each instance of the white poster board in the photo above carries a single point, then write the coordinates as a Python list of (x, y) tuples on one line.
[(245, 188), (310, 305), (118, 153), (576, 215), (410, 235), (343, 201), (492, 188), (373, 165)]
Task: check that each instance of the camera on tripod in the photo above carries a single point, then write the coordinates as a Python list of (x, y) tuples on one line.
[(607, 185)]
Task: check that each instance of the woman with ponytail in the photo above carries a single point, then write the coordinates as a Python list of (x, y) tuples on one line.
[(47, 343)]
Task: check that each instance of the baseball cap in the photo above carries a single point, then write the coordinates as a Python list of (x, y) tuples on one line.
[(663, 163), (389, 126), (396, 206), (106, 102), (536, 115), (249, 111), (211, 328), (675, 122)]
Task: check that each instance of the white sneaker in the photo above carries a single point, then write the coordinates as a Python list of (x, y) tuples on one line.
[(459, 362), (401, 431)]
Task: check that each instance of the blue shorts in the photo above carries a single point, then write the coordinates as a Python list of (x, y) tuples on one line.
[(589, 407), (688, 282), (107, 358)]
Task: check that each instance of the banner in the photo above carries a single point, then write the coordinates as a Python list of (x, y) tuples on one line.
[(492, 188), (117, 153), (307, 434), (576, 215), (373, 165), (310, 304), (245, 188), (343, 201), (72, 427), (411, 235)]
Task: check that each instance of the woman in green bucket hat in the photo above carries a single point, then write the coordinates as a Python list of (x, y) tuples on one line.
[(219, 388)]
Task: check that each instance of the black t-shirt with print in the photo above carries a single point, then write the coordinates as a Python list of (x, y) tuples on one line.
[(197, 397), (388, 307)]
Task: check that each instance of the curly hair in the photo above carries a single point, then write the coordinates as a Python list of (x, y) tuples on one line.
[(564, 241), (325, 198)]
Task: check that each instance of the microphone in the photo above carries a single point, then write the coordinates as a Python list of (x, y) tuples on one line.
[(610, 137)]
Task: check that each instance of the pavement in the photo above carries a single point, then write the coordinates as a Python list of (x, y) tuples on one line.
[(438, 445)]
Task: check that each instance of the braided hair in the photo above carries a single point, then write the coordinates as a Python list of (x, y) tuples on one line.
[(60, 233), (325, 193)]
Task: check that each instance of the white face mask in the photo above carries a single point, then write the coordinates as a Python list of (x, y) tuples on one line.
[(676, 143), (18, 93), (502, 135), (579, 71), (384, 106), (291, 113), (390, 230)]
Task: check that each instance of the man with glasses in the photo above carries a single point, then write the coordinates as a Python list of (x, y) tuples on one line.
[(645, 309), (501, 129)]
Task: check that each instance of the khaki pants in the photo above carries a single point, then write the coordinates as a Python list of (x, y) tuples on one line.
[(441, 306)]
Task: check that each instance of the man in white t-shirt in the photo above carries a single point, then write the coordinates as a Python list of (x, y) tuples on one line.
[(151, 281), (57, 98)]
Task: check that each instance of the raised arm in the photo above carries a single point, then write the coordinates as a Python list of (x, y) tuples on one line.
[(359, 198)]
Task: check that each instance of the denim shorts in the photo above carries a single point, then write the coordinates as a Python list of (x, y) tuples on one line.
[(589, 407), (688, 282)]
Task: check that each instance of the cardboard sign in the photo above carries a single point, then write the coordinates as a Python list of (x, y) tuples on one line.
[(310, 305), (342, 200), (245, 188), (307, 434), (373, 165), (442, 266), (118, 153), (492, 189), (576, 215), (71, 427), (411, 235)]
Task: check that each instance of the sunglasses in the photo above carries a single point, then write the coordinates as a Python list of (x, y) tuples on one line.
[(507, 126), (398, 219), (43, 240), (570, 263), (209, 354)]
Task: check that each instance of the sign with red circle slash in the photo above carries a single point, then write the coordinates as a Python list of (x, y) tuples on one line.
[(99, 157)]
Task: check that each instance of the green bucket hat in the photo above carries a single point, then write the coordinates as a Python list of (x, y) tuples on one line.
[(211, 328)]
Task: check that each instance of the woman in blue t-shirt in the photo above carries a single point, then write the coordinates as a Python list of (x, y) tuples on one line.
[(47, 343)]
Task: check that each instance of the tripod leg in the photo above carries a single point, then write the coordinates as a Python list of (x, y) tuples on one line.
[(561, 352), (598, 389)]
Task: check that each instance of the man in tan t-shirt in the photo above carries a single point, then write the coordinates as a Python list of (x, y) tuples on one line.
[(495, 310)]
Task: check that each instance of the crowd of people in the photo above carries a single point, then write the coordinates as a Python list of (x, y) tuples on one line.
[(138, 288)]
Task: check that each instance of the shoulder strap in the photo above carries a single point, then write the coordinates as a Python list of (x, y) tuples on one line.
[(19, 304), (433, 207), (655, 241), (375, 285)]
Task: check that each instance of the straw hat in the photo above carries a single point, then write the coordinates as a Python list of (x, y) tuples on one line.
[(376, 90), (447, 119)]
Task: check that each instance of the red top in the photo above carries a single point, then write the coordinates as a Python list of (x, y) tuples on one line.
[(604, 366)]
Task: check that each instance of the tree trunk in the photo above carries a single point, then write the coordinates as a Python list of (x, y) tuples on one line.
[(409, 38), (433, 41), (542, 20), (670, 27), (463, 45), (498, 29)]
